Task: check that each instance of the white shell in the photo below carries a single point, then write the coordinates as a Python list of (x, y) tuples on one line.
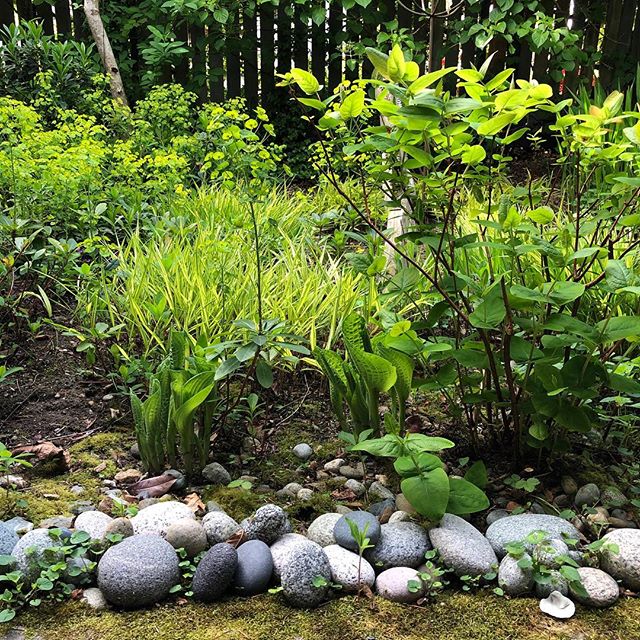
[(557, 606)]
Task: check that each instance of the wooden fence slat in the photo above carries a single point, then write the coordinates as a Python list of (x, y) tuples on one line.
[(319, 52), (63, 18), (267, 49), (25, 9), (300, 40), (44, 13), (198, 81), (216, 63), (6, 12), (284, 35), (234, 67), (181, 70), (250, 58), (336, 20)]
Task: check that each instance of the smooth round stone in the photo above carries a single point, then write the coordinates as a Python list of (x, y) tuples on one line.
[(289, 490), (307, 562), (348, 569), (95, 523), (402, 544), (495, 515), (18, 525), (219, 527), (587, 495), (366, 523), (121, 527), (462, 547), (558, 583), (188, 535), (304, 494), (94, 598), (254, 570), (281, 549), (385, 506), (569, 485), (512, 579), (356, 486), (602, 590), (612, 497), (33, 547), (157, 518), (377, 491), (8, 540), (215, 572), (303, 451), (517, 528), (393, 584), (399, 516), (215, 473), (333, 466), (402, 504), (268, 524), (624, 565), (549, 552), (138, 571), (321, 529)]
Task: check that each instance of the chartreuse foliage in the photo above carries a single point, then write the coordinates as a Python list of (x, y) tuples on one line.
[(539, 288)]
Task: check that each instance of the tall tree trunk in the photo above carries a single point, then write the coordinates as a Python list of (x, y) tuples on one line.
[(92, 12)]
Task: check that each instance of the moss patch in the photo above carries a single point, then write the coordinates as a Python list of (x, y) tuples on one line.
[(452, 617)]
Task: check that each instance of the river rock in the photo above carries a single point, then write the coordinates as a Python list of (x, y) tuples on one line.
[(188, 535), (321, 529), (268, 523), (356, 486), (602, 590), (254, 570), (94, 598), (18, 525), (512, 579), (307, 563), (333, 466), (121, 527), (289, 490), (393, 584), (462, 547), (159, 517), (303, 451), (364, 521), (219, 527), (356, 472), (281, 549), (377, 491), (402, 544), (495, 515), (624, 565), (587, 495), (549, 553), (517, 528), (138, 571), (611, 496), (557, 583), (215, 572), (348, 569), (95, 523), (215, 473), (399, 516), (8, 539), (33, 547)]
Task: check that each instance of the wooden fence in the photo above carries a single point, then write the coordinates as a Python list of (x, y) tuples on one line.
[(226, 62)]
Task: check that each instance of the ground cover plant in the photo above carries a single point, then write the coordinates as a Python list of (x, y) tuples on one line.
[(410, 380)]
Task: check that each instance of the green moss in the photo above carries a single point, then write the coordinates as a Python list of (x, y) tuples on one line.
[(238, 503), (452, 617)]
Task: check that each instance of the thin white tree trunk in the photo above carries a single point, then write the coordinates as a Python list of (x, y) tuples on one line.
[(100, 37)]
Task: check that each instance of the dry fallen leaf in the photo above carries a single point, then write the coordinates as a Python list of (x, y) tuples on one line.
[(101, 467), (45, 452), (194, 503)]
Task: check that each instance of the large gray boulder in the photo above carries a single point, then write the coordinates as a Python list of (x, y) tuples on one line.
[(348, 569), (402, 544), (268, 523), (157, 518), (306, 564), (602, 590), (254, 570), (138, 571), (462, 547), (34, 547), (514, 580), (625, 564), (282, 548), (215, 572), (8, 540), (517, 528)]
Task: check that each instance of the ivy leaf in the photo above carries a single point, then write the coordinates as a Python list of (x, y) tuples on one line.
[(318, 14), (221, 15)]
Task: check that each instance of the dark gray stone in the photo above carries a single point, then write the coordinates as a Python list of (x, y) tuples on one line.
[(138, 571), (268, 524), (557, 583), (587, 495), (215, 573), (8, 539), (378, 508), (495, 515), (215, 473), (462, 547), (306, 563), (254, 570), (401, 544), (512, 579), (363, 520), (517, 528)]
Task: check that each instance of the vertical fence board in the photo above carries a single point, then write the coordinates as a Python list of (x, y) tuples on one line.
[(6, 12), (44, 13), (232, 54), (250, 58), (267, 50), (63, 18), (215, 44), (319, 51), (300, 40), (181, 70), (25, 9), (198, 79), (285, 40), (336, 19)]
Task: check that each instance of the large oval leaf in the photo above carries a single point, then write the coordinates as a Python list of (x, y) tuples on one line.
[(428, 493), (465, 497)]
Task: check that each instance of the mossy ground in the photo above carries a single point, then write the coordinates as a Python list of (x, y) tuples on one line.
[(457, 616)]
